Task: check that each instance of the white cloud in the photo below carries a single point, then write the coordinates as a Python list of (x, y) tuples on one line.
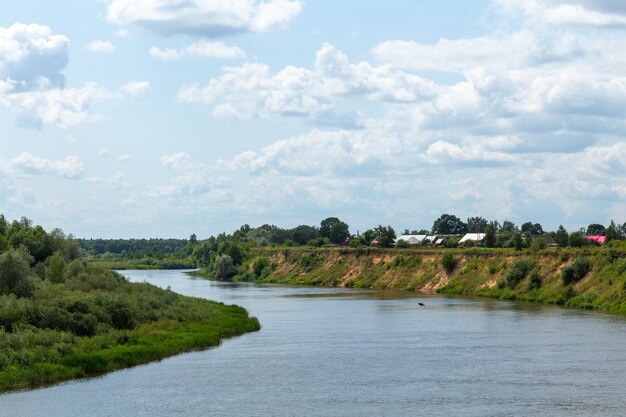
[(63, 108), (215, 50), (251, 90), (176, 160), (117, 180), (136, 88), (167, 54), (31, 57), (590, 13), (26, 164), (101, 47), (207, 18), (123, 159)]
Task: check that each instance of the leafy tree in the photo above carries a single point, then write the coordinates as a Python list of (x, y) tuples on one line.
[(533, 229), (476, 224), (613, 232), (14, 274), (223, 267), (339, 232), (385, 236), (449, 224), (595, 229), (368, 237), (518, 242), (303, 233), (326, 225), (55, 268), (235, 254), (577, 239), (561, 237), (508, 226), (490, 236)]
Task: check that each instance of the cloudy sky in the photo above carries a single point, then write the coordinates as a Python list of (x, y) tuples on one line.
[(162, 118)]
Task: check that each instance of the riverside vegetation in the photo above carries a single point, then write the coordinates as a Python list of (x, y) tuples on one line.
[(63, 318), (510, 264)]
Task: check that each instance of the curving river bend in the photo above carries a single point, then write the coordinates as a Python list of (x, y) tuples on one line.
[(340, 352)]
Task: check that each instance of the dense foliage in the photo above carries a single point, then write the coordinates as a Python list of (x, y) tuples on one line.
[(61, 317)]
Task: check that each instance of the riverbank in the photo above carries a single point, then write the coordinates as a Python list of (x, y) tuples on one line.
[(96, 321), (589, 278)]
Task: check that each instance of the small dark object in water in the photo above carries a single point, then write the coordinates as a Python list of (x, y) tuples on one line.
[(422, 304)]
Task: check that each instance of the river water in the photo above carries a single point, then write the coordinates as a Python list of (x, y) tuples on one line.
[(346, 352)]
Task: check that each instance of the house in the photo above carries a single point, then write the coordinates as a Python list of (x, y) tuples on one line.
[(412, 239), (601, 240), (475, 238)]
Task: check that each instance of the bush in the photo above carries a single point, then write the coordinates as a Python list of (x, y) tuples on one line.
[(576, 271), (517, 272), (223, 267), (448, 261), (260, 265), (535, 281)]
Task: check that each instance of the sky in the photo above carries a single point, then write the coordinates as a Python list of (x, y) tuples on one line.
[(163, 118)]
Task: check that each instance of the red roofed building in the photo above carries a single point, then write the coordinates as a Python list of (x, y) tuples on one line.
[(598, 239)]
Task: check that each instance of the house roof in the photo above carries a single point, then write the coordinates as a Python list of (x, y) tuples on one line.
[(472, 237), (600, 239), (417, 239)]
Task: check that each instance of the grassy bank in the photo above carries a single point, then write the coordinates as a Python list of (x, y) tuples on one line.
[(591, 278), (95, 321), (142, 263)]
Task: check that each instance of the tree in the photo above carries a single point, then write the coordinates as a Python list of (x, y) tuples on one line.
[(448, 224), (577, 239), (235, 254), (223, 267), (339, 232), (368, 236), (14, 274), (303, 233), (561, 237), (326, 225), (54, 269), (385, 236), (490, 236), (518, 242), (508, 226), (476, 224), (595, 229), (613, 232), (533, 229)]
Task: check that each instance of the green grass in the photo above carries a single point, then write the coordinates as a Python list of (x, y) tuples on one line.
[(97, 322)]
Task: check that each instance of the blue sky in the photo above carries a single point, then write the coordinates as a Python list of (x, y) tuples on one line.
[(162, 118)]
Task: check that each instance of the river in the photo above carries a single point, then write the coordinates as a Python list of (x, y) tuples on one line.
[(346, 352)]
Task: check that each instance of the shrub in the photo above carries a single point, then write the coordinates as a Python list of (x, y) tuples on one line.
[(517, 272), (535, 281), (403, 244), (538, 244), (576, 271), (260, 265), (448, 261)]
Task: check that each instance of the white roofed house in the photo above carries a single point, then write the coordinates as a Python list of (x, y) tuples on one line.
[(412, 239), (475, 238)]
